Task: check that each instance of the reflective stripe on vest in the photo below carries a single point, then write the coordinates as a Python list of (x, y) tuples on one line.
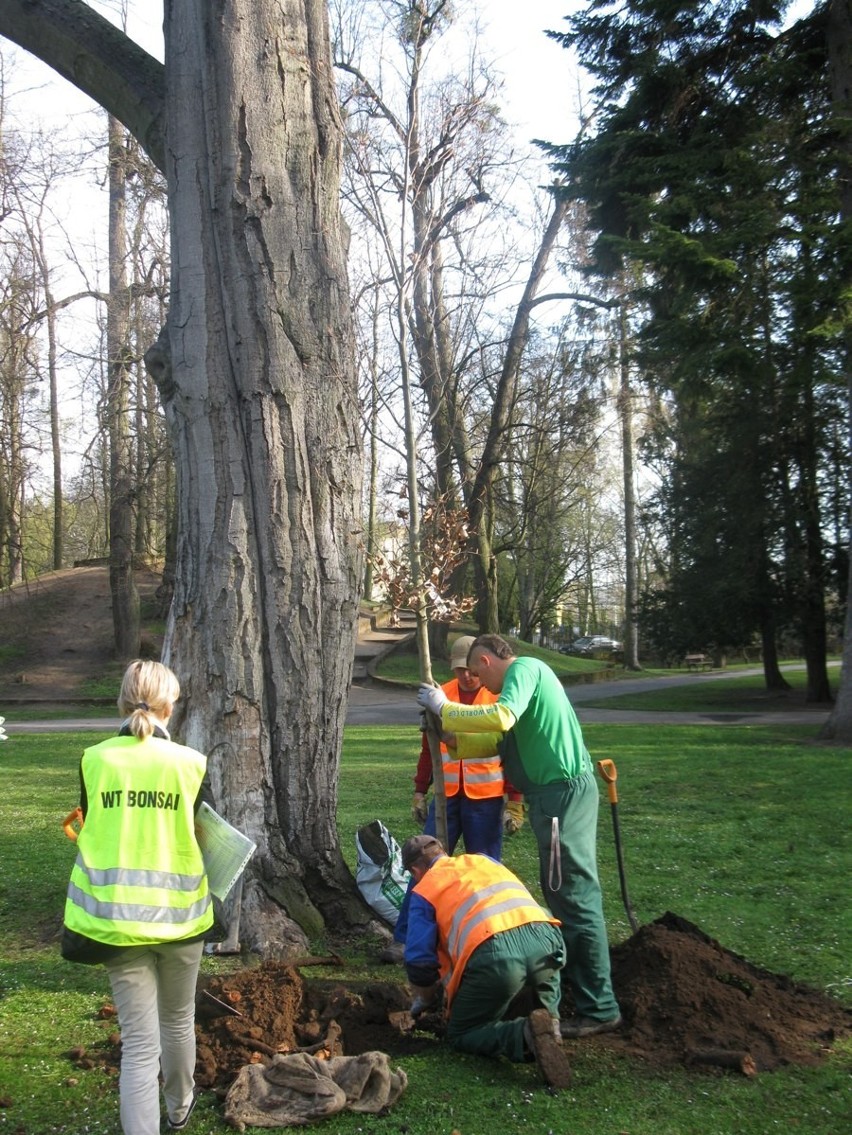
[(482, 778), (492, 773), (124, 877), (462, 926), (136, 912), (474, 898), (452, 778)]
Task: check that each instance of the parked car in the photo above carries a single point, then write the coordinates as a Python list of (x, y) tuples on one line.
[(577, 646), (590, 645)]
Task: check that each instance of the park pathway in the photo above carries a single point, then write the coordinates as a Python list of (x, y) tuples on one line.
[(374, 701)]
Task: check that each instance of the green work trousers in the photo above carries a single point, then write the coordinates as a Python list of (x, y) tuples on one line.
[(564, 818), (529, 956)]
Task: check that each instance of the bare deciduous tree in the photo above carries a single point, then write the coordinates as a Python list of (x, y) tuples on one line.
[(428, 164)]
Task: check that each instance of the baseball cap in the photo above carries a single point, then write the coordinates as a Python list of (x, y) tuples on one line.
[(414, 847), (460, 650)]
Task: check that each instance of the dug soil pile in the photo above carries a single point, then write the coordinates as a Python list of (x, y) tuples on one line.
[(684, 998)]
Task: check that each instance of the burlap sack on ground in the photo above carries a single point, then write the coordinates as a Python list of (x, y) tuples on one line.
[(298, 1089)]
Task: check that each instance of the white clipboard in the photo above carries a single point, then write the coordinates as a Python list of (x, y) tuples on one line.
[(225, 849)]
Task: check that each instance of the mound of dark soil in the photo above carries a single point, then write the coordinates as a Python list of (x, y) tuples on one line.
[(684, 996), (685, 999)]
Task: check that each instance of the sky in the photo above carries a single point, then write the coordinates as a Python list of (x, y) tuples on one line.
[(539, 93), (538, 73), (537, 103), (540, 96), (541, 81)]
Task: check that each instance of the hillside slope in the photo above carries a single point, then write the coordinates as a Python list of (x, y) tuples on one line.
[(56, 633)]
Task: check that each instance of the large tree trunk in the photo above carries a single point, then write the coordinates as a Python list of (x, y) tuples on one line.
[(773, 677), (257, 378), (373, 483), (55, 438), (813, 608), (122, 484), (260, 397), (41, 260)]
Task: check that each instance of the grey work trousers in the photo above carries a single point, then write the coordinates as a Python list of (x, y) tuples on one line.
[(153, 988)]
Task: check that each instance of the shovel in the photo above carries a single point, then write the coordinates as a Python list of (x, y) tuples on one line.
[(609, 773)]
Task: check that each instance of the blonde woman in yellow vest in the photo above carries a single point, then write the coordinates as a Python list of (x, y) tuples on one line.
[(476, 931), (138, 900)]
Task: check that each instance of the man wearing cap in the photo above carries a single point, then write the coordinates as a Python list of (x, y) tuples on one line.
[(475, 930), (474, 788), (543, 751)]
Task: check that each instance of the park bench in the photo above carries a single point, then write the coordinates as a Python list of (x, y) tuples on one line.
[(698, 662)]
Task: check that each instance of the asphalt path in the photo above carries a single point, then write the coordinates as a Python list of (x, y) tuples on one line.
[(378, 703)]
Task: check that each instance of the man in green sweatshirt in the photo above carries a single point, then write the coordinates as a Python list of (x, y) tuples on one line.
[(545, 757)]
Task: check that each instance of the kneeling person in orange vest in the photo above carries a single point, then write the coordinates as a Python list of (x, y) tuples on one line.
[(475, 928)]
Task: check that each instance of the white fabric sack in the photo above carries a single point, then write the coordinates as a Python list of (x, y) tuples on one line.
[(380, 875)]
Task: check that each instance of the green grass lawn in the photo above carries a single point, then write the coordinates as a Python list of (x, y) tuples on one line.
[(402, 665), (62, 711), (745, 693), (742, 830)]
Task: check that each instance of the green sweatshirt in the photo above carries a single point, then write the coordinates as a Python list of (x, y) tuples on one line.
[(543, 741)]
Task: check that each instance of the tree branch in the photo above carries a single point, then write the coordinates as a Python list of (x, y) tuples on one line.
[(372, 94), (443, 221), (98, 58), (581, 297), (142, 291)]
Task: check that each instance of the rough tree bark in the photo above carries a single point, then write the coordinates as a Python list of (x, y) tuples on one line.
[(256, 374), (126, 622)]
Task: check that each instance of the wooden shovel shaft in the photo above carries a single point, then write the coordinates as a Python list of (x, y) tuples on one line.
[(433, 733), (609, 773)]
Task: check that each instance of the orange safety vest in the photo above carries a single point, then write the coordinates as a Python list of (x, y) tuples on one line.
[(483, 778), (474, 898)]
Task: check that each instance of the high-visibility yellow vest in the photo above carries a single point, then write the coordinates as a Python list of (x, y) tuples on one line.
[(483, 777), (139, 876), (473, 898)]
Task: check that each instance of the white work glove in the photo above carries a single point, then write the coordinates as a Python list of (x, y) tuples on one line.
[(419, 808), (432, 698)]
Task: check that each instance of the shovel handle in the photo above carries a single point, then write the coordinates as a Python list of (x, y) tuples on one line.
[(609, 773), (75, 817)]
